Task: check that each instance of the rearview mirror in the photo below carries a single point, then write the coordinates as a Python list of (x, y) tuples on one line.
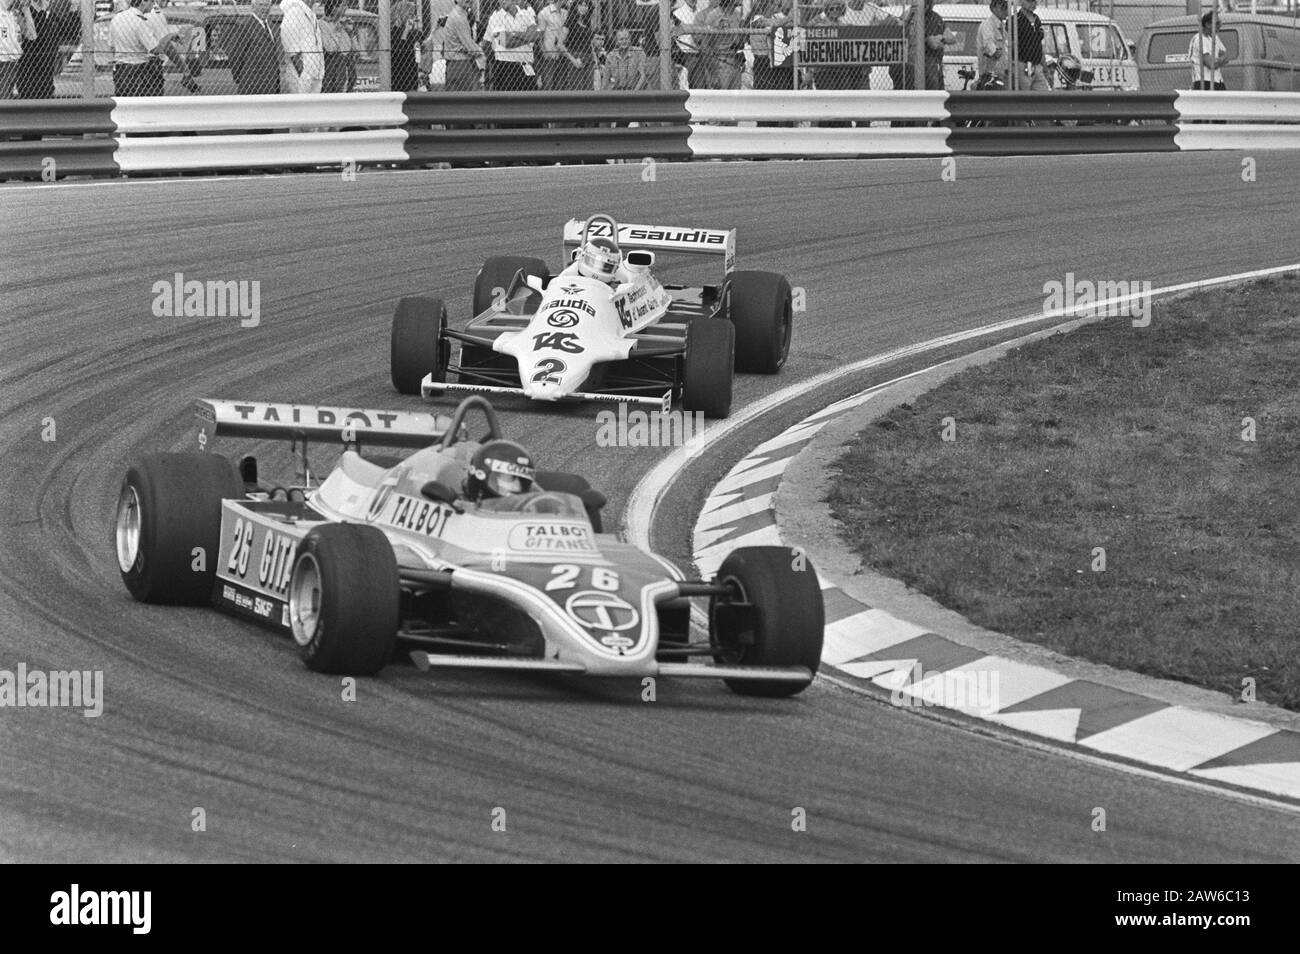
[(639, 258), (440, 492)]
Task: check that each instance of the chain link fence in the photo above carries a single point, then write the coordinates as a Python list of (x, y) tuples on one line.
[(100, 48)]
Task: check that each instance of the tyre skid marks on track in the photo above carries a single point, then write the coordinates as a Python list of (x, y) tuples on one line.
[(878, 651)]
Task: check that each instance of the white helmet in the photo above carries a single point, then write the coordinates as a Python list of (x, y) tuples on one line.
[(599, 258)]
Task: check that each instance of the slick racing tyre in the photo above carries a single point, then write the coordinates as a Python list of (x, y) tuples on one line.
[(345, 600), (418, 345), (495, 277), (759, 304), (561, 483), (774, 616), (167, 528), (709, 367)]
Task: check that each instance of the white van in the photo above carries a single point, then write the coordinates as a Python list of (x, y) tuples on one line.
[(1265, 52), (1094, 39)]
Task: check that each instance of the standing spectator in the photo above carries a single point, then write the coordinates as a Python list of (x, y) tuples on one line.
[(769, 18), (723, 52), (624, 65), (937, 39), (53, 22), (404, 34), (336, 45), (1208, 55), (252, 46), (1029, 31), (303, 67), (512, 33), (137, 51), (15, 26), (992, 44), (557, 59), (183, 47), (688, 49), (645, 26), (454, 39), (582, 29)]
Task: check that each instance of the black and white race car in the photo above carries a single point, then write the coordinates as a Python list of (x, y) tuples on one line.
[(603, 327)]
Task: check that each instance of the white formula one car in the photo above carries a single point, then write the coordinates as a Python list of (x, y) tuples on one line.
[(461, 552), (604, 328)]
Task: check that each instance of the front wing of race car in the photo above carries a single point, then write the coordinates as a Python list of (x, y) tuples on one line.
[(650, 376), (597, 619)]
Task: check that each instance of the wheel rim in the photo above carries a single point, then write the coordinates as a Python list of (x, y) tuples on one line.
[(305, 599), (127, 528), (729, 652)]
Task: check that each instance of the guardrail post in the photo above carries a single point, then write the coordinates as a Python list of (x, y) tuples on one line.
[(87, 49), (385, 30), (918, 47), (667, 44)]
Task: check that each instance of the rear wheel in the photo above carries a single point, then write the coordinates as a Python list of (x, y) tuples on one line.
[(167, 529), (496, 274), (775, 616), (345, 599), (760, 305), (418, 344), (709, 367)]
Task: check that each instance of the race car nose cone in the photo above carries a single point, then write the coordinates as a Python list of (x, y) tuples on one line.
[(550, 391)]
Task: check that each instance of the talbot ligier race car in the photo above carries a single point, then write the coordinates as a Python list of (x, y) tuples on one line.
[(460, 553), (603, 328)]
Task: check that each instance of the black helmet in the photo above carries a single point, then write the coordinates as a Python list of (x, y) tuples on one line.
[(499, 468)]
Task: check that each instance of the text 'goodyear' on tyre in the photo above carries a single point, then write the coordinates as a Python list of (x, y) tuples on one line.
[(709, 372), (775, 616), (167, 529), (345, 599), (496, 274), (760, 305), (418, 346)]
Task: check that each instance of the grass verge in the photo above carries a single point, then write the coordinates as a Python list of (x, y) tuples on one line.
[(1104, 495)]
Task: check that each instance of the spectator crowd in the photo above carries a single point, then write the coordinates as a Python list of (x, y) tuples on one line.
[(309, 46)]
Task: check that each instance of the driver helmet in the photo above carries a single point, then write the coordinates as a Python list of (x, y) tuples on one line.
[(599, 258), (499, 469)]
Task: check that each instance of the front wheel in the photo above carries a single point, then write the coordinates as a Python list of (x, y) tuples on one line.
[(709, 367), (418, 344), (761, 306), (774, 615), (345, 599)]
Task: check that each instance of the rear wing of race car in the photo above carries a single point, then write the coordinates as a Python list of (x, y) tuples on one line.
[(659, 238), (299, 422)]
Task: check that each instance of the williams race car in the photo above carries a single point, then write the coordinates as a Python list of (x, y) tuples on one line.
[(461, 553), (603, 328)]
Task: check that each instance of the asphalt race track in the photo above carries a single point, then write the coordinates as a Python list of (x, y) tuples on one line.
[(203, 711)]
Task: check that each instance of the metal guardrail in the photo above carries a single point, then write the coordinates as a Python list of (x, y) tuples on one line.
[(44, 139), (729, 106), (1048, 107)]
